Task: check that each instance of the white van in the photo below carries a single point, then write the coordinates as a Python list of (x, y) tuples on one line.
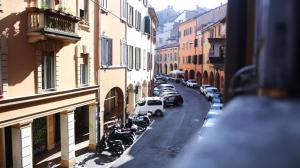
[(152, 105)]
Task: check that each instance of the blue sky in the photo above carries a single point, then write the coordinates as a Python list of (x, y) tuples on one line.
[(181, 5)]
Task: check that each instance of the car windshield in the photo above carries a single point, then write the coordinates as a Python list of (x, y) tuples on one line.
[(212, 90), (216, 107), (192, 81), (141, 103)]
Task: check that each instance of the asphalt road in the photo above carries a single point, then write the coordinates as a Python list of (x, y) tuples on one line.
[(164, 140)]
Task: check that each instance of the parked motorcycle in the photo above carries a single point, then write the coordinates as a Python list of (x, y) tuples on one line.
[(142, 121), (127, 137), (116, 147)]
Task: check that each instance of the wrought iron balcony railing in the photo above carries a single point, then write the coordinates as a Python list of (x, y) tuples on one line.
[(49, 23)]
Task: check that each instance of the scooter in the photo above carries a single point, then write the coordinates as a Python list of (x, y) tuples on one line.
[(141, 122), (115, 147), (127, 137)]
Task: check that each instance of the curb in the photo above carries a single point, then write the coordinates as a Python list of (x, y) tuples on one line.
[(127, 150)]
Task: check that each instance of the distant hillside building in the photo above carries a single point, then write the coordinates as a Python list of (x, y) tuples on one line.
[(170, 29)]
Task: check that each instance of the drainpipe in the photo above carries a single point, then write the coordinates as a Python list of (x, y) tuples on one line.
[(126, 90), (98, 49)]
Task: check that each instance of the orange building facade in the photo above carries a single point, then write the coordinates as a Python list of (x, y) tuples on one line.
[(202, 47), (166, 58), (190, 53)]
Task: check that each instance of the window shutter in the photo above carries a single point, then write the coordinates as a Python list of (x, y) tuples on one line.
[(103, 51), (147, 25), (110, 54)]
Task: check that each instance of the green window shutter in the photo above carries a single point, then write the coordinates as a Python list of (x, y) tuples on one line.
[(147, 25)]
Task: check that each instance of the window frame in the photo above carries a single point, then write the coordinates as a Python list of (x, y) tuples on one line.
[(105, 44), (104, 4), (124, 10), (85, 17), (124, 53), (130, 19), (45, 72), (130, 57), (84, 72)]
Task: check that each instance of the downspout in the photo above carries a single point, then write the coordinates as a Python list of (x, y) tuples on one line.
[(98, 41), (126, 90)]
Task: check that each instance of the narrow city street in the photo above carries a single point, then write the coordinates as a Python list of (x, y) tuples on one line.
[(167, 136)]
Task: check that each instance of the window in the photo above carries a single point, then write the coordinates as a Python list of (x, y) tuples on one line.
[(124, 53), (147, 28), (154, 102), (104, 4), (145, 2), (124, 9), (130, 16), (84, 71), (130, 57), (211, 33), (83, 11), (138, 20), (144, 60), (165, 57), (44, 4), (149, 61), (189, 61), (141, 103), (137, 58), (106, 51), (48, 71)]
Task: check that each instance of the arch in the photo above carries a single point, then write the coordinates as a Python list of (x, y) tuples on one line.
[(171, 67), (138, 92), (192, 74), (145, 89), (113, 105), (130, 98), (222, 83), (211, 78), (157, 68), (175, 66), (217, 82), (186, 75), (199, 78), (166, 69), (160, 68), (205, 77)]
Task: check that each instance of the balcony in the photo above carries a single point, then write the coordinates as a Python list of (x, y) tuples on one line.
[(49, 23)]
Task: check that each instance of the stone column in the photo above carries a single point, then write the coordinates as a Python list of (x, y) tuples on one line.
[(50, 131), (2, 148), (93, 126), (67, 135), (22, 145), (101, 121)]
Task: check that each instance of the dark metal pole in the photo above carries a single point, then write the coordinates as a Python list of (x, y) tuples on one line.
[(235, 42)]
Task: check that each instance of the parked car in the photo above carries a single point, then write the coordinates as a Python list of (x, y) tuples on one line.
[(215, 110), (183, 81), (192, 83), (209, 92), (156, 83), (216, 100), (164, 86), (173, 100), (158, 92), (162, 94), (203, 87), (150, 105)]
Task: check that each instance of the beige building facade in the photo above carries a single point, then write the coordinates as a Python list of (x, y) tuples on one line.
[(48, 80)]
